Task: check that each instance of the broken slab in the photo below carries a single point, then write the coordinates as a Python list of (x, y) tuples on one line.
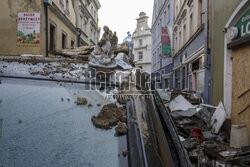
[(122, 61), (180, 103), (218, 118)]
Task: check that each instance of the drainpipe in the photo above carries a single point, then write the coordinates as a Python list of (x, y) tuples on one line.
[(46, 5), (46, 24), (208, 83)]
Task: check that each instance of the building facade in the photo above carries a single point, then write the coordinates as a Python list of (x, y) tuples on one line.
[(162, 42), (192, 60), (37, 27), (62, 32), (220, 19), (87, 21), (236, 65), (142, 43)]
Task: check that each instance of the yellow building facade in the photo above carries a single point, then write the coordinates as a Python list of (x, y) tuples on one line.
[(23, 27)]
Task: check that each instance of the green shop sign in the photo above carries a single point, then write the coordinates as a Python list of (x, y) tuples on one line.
[(243, 26)]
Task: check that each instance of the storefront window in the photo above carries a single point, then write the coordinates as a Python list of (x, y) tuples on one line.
[(166, 83), (190, 82), (201, 82)]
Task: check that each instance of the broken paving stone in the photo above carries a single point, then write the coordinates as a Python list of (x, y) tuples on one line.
[(108, 117), (125, 153), (121, 129), (81, 101)]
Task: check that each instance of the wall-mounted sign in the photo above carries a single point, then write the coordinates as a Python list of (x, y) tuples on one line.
[(243, 26), (166, 43), (28, 29)]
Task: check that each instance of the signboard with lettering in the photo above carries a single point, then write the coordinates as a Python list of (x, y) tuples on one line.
[(166, 43), (243, 26), (28, 29)]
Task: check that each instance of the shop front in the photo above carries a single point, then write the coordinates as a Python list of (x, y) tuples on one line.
[(237, 66)]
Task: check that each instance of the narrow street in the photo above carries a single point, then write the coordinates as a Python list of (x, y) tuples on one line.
[(97, 83)]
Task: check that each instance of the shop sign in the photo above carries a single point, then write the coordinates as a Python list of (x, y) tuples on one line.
[(28, 29), (166, 44), (242, 28)]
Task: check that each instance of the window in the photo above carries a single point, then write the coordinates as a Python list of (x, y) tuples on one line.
[(176, 41), (62, 3), (81, 22), (84, 25), (67, 6), (91, 31), (184, 34), (52, 40), (140, 55), (168, 19), (165, 18), (177, 79), (180, 44), (92, 10), (199, 13), (166, 83), (200, 82), (64, 39), (191, 25), (72, 43), (140, 42), (176, 12)]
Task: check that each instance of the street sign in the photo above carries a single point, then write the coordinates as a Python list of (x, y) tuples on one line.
[(243, 26)]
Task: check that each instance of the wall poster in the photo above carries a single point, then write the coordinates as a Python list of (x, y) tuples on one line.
[(28, 33)]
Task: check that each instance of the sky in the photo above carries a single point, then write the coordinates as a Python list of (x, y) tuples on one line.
[(120, 15)]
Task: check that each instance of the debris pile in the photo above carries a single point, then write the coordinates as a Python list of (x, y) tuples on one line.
[(109, 116), (82, 53), (203, 130), (121, 129), (81, 101)]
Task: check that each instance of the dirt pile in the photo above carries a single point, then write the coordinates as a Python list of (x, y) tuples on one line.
[(109, 116), (121, 129), (81, 101)]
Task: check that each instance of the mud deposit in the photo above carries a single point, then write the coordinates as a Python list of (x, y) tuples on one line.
[(121, 129), (81, 101), (109, 116)]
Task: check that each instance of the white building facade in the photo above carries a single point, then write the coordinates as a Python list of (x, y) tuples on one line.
[(142, 43)]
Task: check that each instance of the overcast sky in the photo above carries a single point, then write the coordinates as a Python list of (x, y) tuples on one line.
[(120, 15)]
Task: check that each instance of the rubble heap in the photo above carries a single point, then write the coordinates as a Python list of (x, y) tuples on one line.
[(203, 130)]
